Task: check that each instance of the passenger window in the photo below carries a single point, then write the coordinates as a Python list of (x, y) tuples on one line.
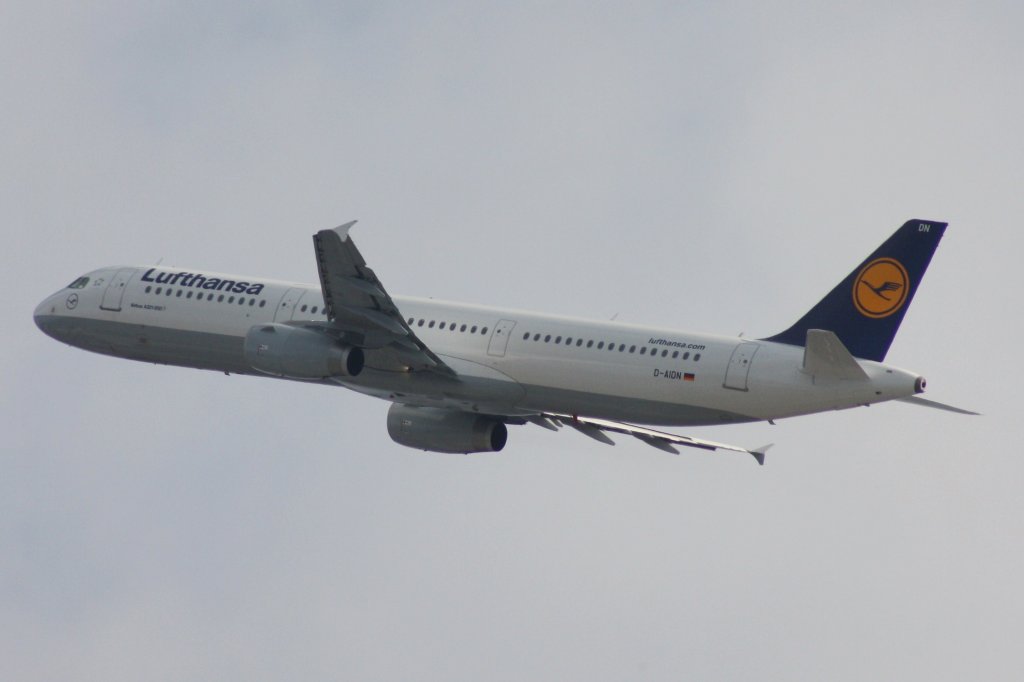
[(252, 302), (686, 356), (168, 292), (600, 345), (209, 297), (220, 299), (462, 328), (431, 325), (536, 337), (568, 340), (241, 300), (664, 353), (643, 350), (484, 330), (632, 349), (179, 293), (149, 289), (420, 323), (526, 336), (472, 330), (579, 342), (558, 339), (590, 343), (622, 347), (696, 358), (547, 338), (303, 308), (263, 303), (231, 299)]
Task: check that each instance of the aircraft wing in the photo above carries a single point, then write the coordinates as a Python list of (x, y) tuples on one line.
[(359, 308), (598, 428)]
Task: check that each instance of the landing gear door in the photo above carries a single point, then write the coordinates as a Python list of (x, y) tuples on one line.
[(739, 366), (499, 338), (286, 308), (115, 290)]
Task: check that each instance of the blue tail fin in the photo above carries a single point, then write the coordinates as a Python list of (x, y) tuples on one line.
[(866, 308)]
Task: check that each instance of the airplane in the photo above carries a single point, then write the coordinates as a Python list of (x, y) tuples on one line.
[(457, 375)]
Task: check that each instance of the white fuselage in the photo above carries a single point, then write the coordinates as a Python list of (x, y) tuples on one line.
[(508, 362)]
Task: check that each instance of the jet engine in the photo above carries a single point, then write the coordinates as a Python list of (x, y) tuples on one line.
[(299, 353), (442, 430)]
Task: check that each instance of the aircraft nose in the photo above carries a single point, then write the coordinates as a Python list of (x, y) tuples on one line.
[(45, 314)]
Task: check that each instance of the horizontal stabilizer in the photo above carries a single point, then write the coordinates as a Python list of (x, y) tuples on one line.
[(924, 402), (826, 357)]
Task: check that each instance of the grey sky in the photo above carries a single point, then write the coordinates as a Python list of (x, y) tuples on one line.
[(715, 167)]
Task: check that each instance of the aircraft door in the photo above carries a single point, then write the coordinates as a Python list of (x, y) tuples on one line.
[(306, 298), (115, 290), (739, 366), (499, 338), (286, 308)]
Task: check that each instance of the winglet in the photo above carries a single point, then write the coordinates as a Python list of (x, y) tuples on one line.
[(342, 230), (759, 453)]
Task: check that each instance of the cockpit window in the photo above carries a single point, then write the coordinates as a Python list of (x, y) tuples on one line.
[(79, 283)]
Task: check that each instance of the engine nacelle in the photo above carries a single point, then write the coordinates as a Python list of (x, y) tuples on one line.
[(299, 353), (441, 430)]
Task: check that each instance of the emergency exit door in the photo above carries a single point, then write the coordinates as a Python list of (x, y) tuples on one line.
[(499, 338), (739, 366), (115, 290)]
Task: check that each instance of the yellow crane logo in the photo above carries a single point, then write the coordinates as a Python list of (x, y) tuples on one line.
[(881, 288)]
